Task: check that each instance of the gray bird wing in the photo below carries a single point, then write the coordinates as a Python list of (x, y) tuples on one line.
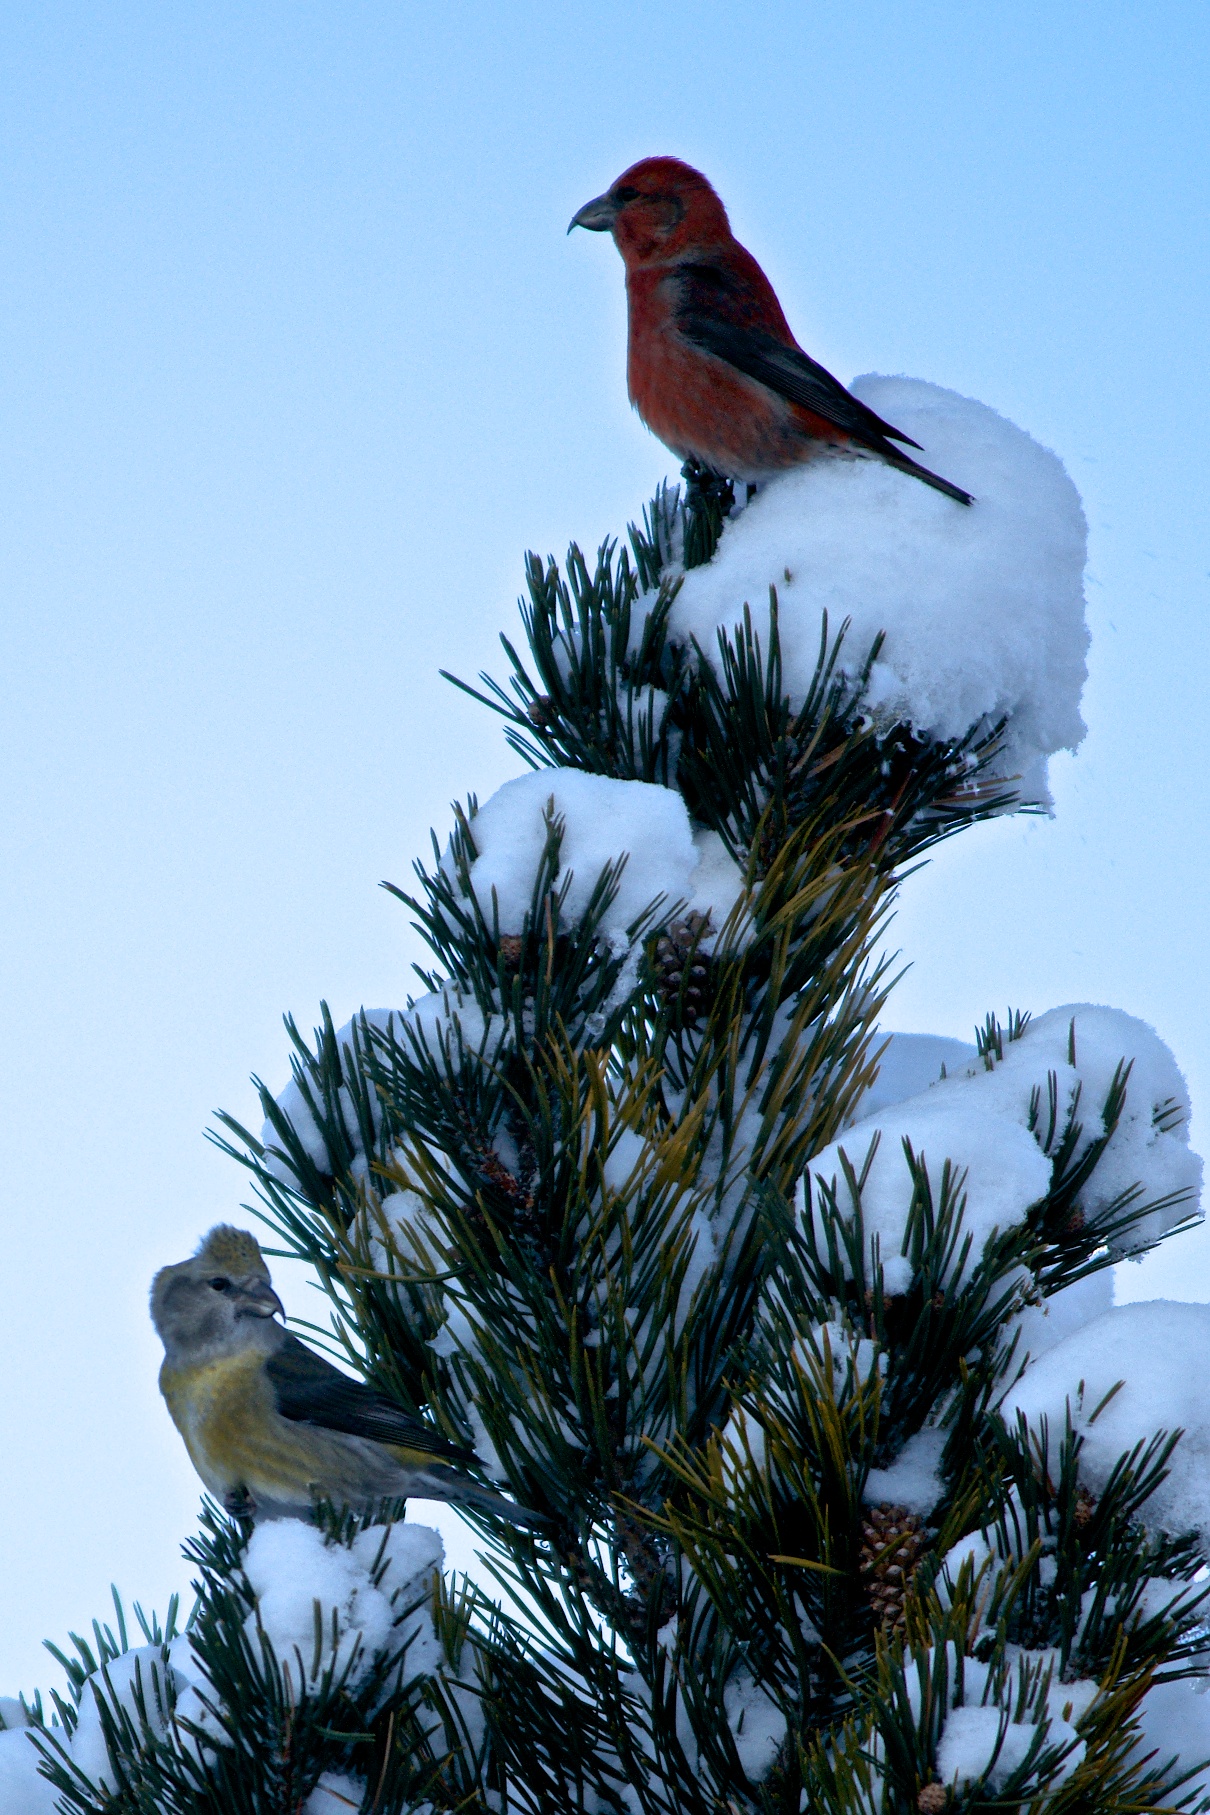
[(309, 1390), (715, 312)]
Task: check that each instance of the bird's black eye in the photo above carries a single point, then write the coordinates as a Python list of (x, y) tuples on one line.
[(627, 193), (219, 1285)]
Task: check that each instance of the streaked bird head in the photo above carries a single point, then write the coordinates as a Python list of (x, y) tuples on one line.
[(657, 209), (219, 1300)]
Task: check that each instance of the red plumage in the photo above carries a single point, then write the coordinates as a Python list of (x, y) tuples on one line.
[(712, 366)]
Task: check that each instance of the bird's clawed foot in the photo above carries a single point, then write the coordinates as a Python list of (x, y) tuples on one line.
[(709, 501), (240, 1504), (707, 490)]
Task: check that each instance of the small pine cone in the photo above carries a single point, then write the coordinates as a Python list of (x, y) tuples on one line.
[(1075, 1222), (1084, 1508), (541, 711), (683, 974), (893, 1541), (932, 1799), (511, 947)]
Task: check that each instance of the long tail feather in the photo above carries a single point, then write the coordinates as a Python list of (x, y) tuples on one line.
[(905, 465), (459, 1491)]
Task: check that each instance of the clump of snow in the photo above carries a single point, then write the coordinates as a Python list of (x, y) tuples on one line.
[(292, 1101), (1081, 1046), (913, 1479), (980, 1738), (443, 1025), (1160, 1351), (993, 1124), (984, 1743), (1061, 1315), (909, 1065), (983, 608), (364, 1591), (136, 1677), (390, 1223), (603, 821), (197, 1702), (23, 1791), (1005, 1172)]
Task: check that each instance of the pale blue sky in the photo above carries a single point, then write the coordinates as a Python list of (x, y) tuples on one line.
[(298, 361)]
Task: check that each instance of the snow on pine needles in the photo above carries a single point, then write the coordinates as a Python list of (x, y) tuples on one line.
[(982, 607)]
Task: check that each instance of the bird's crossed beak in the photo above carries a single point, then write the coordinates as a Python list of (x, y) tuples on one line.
[(260, 1300), (598, 215)]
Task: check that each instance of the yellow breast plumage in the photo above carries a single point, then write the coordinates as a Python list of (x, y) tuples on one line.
[(225, 1412)]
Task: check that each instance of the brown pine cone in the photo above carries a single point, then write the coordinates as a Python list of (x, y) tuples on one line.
[(893, 1541), (683, 973)]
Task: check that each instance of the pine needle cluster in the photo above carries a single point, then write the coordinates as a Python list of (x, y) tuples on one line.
[(570, 1227)]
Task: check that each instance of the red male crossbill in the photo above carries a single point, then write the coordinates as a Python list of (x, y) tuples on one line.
[(713, 368)]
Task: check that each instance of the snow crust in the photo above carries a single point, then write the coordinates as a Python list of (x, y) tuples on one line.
[(1160, 1350), (983, 608), (604, 821), (992, 1125)]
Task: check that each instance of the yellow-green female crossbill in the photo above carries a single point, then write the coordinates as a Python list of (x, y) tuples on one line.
[(270, 1426)]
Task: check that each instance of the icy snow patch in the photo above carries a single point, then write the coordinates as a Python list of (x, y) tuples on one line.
[(1160, 1351), (983, 608), (604, 821)]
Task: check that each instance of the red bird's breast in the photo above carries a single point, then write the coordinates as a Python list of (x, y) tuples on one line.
[(699, 405)]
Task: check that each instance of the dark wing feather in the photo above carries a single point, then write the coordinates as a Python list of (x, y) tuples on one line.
[(714, 312), (311, 1391)]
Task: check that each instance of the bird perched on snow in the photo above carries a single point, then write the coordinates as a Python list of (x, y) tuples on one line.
[(713, 368), (270, 1426)]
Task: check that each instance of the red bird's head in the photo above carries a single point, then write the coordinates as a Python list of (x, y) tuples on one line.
[(657, 210)]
